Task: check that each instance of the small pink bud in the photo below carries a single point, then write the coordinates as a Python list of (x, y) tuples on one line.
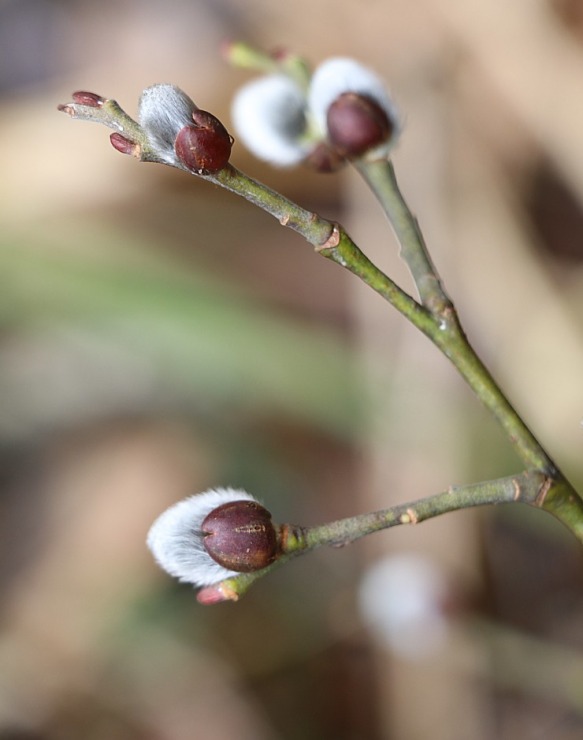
[(357, 124), (280, 54), (240, 536), (92, 100), (205, 146), (216, 593), (124, 145)]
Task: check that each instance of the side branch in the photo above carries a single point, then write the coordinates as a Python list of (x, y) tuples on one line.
[(381, 178), (523, 488), (435, 316)]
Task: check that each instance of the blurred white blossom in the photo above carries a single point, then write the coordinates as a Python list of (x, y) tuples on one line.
[(402, 599), (283, 123)]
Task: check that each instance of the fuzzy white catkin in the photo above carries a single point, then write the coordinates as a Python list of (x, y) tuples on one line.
[(269, 115), (401, 598), (340, 75), (163, 111), (176, 540)]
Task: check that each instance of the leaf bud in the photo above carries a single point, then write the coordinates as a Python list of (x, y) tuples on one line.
[(204, 146), (91, 100), (217, 593), (240, 536), (124, 145)]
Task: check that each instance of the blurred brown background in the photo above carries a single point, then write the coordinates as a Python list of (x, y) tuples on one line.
[(159, 337)]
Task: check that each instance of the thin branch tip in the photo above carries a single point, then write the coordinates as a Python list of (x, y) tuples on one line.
[(65, 108)]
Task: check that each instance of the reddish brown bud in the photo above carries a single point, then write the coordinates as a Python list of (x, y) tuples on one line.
[(205, 146), (124, 145), (92, 100), (240, 536), (324, 159), (357, 124)]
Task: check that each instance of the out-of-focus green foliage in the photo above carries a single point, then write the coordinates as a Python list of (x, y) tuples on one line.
[(190, 338)]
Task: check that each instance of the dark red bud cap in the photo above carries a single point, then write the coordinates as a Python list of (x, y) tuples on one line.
[(204, 146), (92, 100), (240, 536), (357, 124), (124, 145)]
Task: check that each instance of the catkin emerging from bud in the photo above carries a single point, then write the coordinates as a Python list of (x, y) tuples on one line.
[(212, 536)]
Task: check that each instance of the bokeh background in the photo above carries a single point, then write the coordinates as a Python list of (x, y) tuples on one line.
[(159, 336)]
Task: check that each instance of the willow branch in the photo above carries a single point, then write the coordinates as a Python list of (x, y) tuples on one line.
[(380, 175), (435, 316), (527, 488)]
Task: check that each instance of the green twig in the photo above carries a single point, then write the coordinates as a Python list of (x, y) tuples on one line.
[(445, 331), (440, 322), (447, 334), (523, 488), (328, 238), (526, 488), (435, 316), (381, 178)]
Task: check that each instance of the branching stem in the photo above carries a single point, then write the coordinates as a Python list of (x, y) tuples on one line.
[(527, 488), (434, 315)]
